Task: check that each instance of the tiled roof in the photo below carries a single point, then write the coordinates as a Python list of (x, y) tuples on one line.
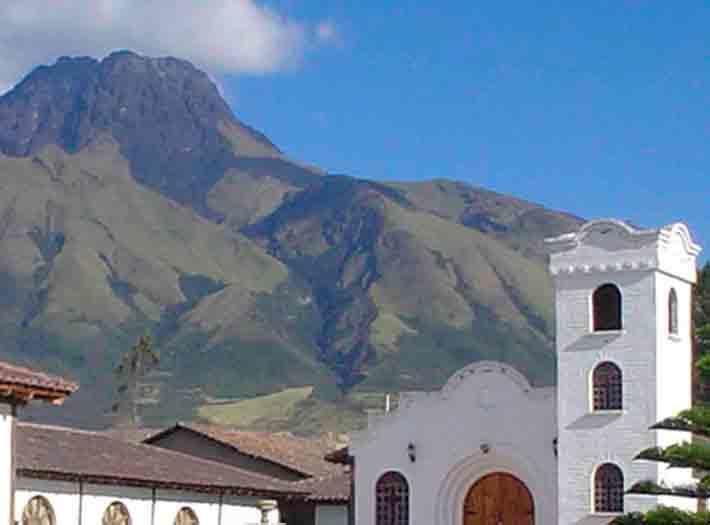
[(340, 455), (51, 452), (306, 456), (23, 383), (335, 488)]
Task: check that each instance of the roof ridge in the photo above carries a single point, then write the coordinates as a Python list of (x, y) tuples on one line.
[(160, 450), (57, 427)]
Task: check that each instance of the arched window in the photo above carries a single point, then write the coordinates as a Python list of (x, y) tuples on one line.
[(607, 386), (606, 308), (672, 312), (38, 511), (392, 499), (186, 516), (116, 514), (608, 489)]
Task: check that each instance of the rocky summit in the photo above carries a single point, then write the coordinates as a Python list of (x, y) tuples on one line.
[(134, 201)]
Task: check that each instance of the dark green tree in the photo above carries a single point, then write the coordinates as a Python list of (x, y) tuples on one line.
[(701, 310), (134, 365)]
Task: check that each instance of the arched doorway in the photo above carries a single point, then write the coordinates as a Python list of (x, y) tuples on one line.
[(499, 499)]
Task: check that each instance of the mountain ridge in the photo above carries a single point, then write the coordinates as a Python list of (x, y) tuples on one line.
[(133, 200)]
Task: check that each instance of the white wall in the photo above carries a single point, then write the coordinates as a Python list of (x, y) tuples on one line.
[(674, 368), (656, 368), (6, 423), (331, 515), (66, 502), (588, 439), (485, 403)]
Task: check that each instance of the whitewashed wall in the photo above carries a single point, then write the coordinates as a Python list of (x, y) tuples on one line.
[(68, 498), (6, 421), (656, 367), (485, 403), (331, 515)]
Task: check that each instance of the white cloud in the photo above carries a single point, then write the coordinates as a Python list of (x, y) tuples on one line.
[(222, 36)]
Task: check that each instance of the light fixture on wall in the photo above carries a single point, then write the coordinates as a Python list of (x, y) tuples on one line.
[(485, 448), (412, 452)]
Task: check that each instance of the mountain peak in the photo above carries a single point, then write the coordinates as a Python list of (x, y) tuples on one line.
[(166, 115)]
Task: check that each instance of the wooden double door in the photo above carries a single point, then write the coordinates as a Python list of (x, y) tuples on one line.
[(499, 499)]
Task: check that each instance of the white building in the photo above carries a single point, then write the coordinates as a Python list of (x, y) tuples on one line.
[(490, 449), (52, 475), (61, 476), (88, 477)]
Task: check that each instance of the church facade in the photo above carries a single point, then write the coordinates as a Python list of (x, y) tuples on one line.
[(491, 449)]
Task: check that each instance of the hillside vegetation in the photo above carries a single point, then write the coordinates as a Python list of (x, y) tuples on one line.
[(133, 200)]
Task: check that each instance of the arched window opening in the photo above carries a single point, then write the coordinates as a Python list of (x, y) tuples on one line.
[(116, 514), (186, 516), (608, 489), (672, 312), (392, 500), (38, 511), (607, 386), (606, 303)]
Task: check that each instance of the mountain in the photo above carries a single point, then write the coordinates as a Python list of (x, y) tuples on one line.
[(133, 200)]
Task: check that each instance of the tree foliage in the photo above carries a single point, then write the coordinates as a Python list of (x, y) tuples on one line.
[(701, 316), (664, 516), (140, 359)]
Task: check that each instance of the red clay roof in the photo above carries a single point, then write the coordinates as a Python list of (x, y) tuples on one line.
[(334, 489), (51, 452), (340, 455), (24, 384), (306, 456)]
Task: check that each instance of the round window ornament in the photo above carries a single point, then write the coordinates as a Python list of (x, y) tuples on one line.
[(186, 516), (38, 511), (116, 514)]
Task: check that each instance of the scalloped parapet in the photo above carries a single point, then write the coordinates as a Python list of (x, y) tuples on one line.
[(470, 381), (605, 245)]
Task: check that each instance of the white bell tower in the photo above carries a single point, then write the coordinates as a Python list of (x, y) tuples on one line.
[(624, 362)]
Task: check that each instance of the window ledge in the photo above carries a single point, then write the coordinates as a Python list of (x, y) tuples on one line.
[(602, 333), (606, 514), (675, 338), (614, 412)]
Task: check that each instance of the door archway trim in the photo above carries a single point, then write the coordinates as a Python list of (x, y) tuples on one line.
[(504, 459)]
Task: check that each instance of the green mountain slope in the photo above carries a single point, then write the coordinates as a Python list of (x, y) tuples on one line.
[(132, 200)]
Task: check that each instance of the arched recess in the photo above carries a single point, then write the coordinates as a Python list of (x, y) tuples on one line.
[(499, 497), (392, 499), (38, 511), (186, 516), (607, 387), (116, 514), (673, 312), (608, 489), (606, 308), (533, 471)]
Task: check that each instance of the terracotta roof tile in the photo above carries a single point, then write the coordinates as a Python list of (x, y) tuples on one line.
[(306, 456), (46, 386), (64, 453), (335, 488)]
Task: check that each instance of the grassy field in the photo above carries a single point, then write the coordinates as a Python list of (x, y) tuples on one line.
[(274, 408)]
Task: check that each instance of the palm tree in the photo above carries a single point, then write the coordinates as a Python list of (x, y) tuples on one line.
[(135, 363)]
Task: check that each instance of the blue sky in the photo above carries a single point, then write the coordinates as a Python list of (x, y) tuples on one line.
[(596, 108), (599, 110)]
